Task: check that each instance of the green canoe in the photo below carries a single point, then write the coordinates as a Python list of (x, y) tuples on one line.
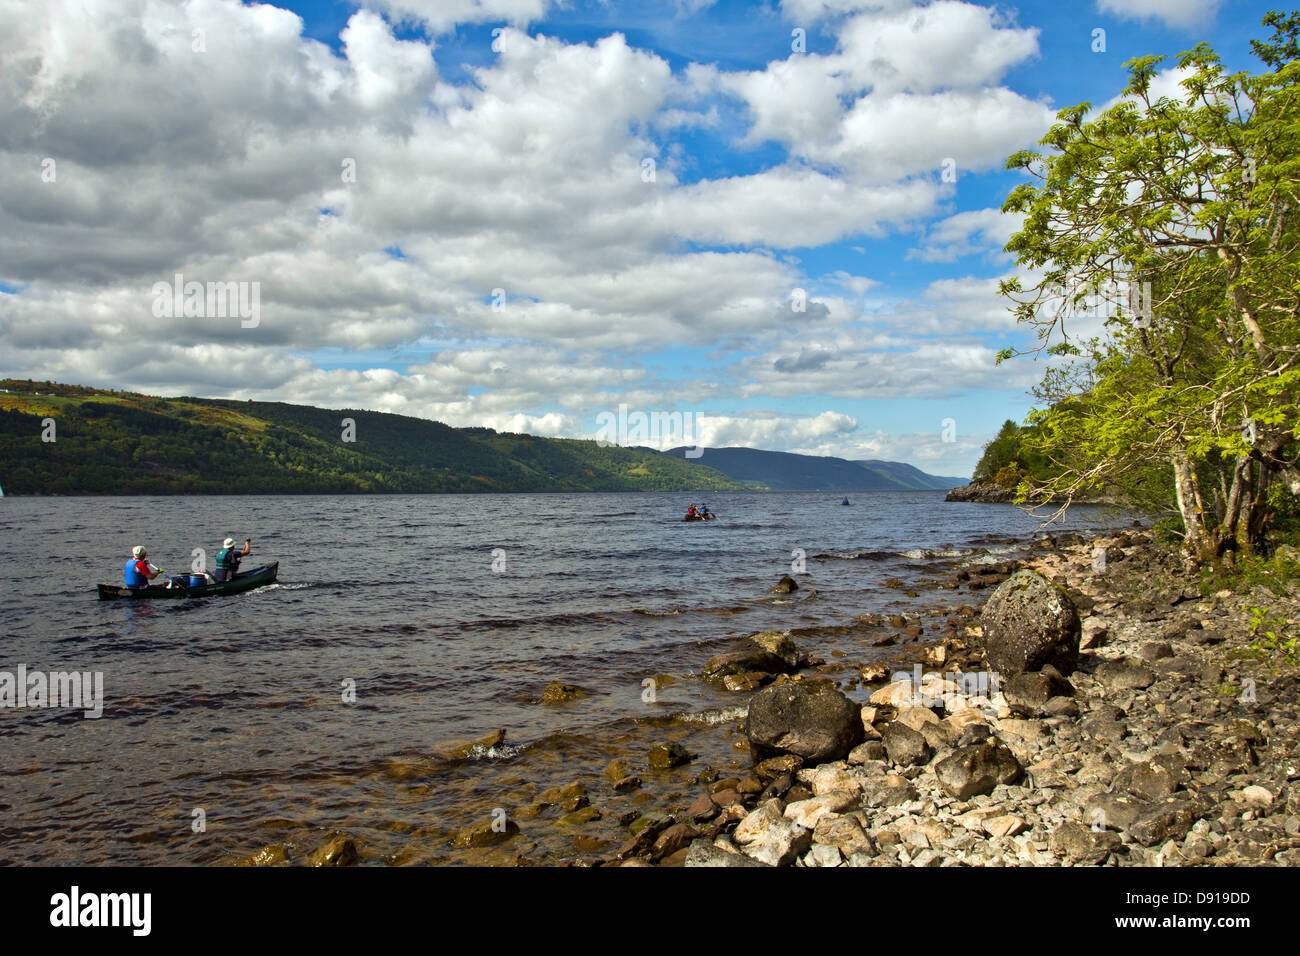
[(243, 581)]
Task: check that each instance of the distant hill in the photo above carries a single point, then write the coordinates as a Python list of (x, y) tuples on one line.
[(123, 443), (785, 471)]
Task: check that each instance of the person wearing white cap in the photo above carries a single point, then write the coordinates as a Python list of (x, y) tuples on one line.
[(228, 559), (139, 572)]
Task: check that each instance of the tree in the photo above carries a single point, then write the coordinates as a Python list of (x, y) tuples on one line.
[(1176, 219)]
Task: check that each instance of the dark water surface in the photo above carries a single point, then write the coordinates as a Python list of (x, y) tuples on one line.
[(234, 705)]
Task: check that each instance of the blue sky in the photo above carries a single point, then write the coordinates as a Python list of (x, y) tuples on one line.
[(500, 257)]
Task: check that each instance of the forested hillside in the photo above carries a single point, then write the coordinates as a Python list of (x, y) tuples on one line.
[(124, 443)]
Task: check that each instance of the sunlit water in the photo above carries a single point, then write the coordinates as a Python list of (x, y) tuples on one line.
[(235, 705)]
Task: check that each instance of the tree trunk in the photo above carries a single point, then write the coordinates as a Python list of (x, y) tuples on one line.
[(1195, 539)]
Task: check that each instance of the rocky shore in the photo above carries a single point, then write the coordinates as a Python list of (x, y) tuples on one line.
[(988, 492), (1098, 711), (1095, 709), (982, 491)]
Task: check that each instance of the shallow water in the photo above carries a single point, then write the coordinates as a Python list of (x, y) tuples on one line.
[(234, 705)]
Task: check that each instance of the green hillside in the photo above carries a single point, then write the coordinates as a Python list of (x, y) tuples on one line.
[(110, 442)]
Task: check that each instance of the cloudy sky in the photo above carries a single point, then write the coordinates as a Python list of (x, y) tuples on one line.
[(522, 213)]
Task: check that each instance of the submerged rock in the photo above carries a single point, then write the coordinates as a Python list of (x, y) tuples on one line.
[(755, 658), (669, 755), (559, 693), (463, 750), (340, 851), (784, 586), (570, 798), (485, 834), (267, 856)]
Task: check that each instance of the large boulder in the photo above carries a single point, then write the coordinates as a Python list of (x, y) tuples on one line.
[(1029, 622), (811, 720), (770, 652)]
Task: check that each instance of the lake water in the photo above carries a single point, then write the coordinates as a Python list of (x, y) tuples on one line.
[(234, 706)]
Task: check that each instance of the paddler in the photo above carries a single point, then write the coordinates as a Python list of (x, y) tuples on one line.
[(138, 571), (228, 558)]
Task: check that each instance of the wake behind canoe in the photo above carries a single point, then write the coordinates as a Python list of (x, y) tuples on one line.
[(243, 581)]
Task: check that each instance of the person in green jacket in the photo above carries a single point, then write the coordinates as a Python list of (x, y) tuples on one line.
[(228, 558)]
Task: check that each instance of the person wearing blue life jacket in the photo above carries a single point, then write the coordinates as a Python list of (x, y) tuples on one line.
[(704, 512), (228, 559), (138, 571)]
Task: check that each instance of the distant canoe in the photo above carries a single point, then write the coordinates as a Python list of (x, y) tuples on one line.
[(243, 581), (699, 518)]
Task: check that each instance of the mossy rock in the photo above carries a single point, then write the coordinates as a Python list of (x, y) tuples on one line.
[(579, 817), (560, 693), (488, 833), (275, 855), (340, 851), (667, 756), (464, 749)]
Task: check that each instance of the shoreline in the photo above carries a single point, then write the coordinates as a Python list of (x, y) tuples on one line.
[(1169, 746), (986, 492), (1151, 757)]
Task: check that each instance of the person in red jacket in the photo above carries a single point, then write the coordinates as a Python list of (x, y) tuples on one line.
[(139, 572)]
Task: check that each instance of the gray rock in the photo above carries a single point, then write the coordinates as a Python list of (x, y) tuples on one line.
[(1128, 673), (704, 853), (1029, 622), (884, 792), (1029, 693), (845, 834), (811, 720), (1168, 821), (780, 844), (1148, 781), (1079, 843), (866, 752), (978, 769), (1115, 811), (905, 746)]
